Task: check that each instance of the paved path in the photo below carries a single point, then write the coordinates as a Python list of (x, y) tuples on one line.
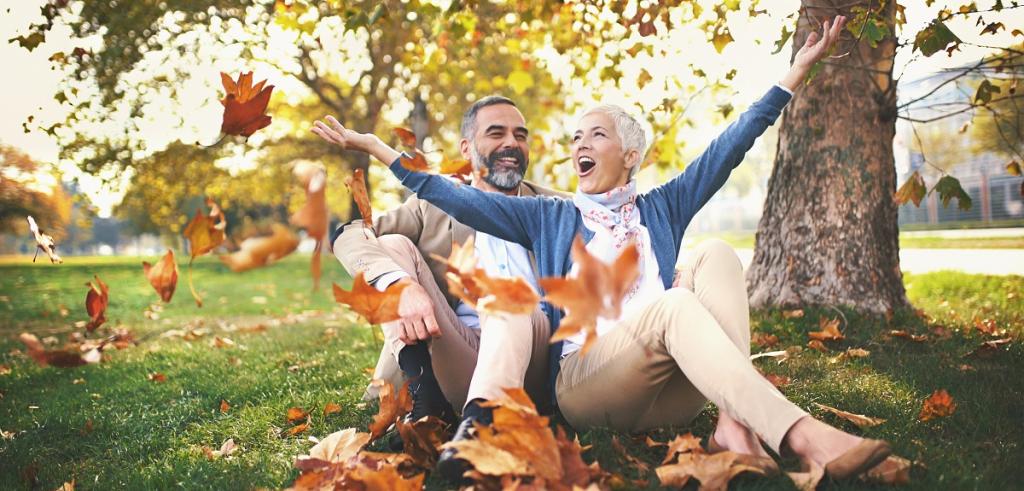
[(979, 261)]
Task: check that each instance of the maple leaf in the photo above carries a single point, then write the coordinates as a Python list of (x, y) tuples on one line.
[(295, 414), (245, 105), (405, 135), (96, 301), (912, 190), (596, 291), (67, 357), (331, 408), (204, 233), (482, 292), (255, 252), (163, 275), (422, 439), (938, 405), (829, 330), (44, 242), (377, 307), (817, 345), (356, 184), (416, 163), (713, 471), (459, 167), (392, 406), (334, 448), (313, 215), (858, 419), (682, 444)]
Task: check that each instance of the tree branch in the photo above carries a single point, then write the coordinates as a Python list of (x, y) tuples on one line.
[(969, 107)]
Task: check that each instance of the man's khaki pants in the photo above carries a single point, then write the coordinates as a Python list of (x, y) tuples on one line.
[(660, 366), (470, 363)]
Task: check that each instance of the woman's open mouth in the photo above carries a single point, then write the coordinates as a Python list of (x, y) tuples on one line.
[(586, 165)]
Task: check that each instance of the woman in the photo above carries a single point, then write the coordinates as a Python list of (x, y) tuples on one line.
[(673, 346)]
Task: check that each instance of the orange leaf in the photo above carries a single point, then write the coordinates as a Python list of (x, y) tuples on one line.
[(416, 163), (313, 215), (939, 405), (163, 275), (224, 406), (920, 338), (778, 381), (295, 430), (893, 471), (357, 187), (461, 167), (764, 340), (70, 356), (204, 233), (596, 291), (44, 242), (422, 440), (337, 447), (682, 444), (156, 377), (331, 408), (713, 471), (244, 107), (392, 406), (989, 348), (485, 293), (375, 306), (406, 136), (295, 414), (255, 252), (96, 303), (792, 314), (829, 330), (857, 419), (817, 345)]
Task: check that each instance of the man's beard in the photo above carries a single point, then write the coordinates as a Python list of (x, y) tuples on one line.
[(505, 179)]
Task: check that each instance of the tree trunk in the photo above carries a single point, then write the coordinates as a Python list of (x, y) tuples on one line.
[(828, 235)]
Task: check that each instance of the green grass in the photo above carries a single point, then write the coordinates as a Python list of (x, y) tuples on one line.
[(745, 240), (148, 435)]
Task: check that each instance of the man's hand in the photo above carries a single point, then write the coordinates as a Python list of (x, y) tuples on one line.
[(815, 48), (417, 311), (333, 132)]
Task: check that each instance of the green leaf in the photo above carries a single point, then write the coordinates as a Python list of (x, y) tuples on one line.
[(520, 81), (985, 91), (726, 109), (912, 190), (356, 21), (781, 43), (813, 72), (948, 188), (934, 38), (1013, 168), (377, 13), (875, 31)]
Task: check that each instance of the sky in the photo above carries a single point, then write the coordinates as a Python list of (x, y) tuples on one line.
[(28, 87)]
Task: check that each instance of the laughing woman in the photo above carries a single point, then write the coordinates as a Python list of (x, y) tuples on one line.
[(677, 344)]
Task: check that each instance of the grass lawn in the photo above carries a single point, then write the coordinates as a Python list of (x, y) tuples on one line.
[(108, 427)]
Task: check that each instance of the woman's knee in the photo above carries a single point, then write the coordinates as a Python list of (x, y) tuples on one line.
[(717, 249)]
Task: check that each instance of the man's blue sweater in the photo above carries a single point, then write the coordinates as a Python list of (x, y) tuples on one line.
[(548, 225)]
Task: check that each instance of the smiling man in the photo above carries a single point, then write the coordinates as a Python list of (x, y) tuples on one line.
[(438, 341)]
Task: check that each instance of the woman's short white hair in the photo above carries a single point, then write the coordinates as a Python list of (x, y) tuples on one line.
[(631, 133)]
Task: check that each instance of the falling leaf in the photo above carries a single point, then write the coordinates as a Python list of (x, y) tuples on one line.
[(357, 188), (416, 163), (405, 135), (1013, 168), (829, 330), (67, 357), (255, 252), (44, 242), (458, 167), (934, 38), (377, 307), (163, 275), (392, 406), (313, 216), (224, 406), (295, 414), (96, 301), (204, 233), (484, 293), (331, 408), (857, 419), (939, 405), (713, 471), (680, 445), (596, 291), (913, 190), (792, 314), (893, 471), (156, 377), (245, 105), (900, 333), (948, 188)]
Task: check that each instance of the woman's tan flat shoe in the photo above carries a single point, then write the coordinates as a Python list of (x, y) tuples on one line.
[(858, 459), (766, 465)]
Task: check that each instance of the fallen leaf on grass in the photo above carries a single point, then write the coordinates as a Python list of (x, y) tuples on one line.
[(244, 105), (989, 327), (817, 345), (713, 471), (67, 357), (792, 314), (764, 340), (356, 184), (331, 408), (641, 467), (44, 242), (96, 301), (858, 419), (989, 348), (87, 428), (295, 414), (67, 486), (682, 444), (163, 275), (596, 291), (204, 233), (893, 471), (779, 381), (156, 377), (482, 292), (226, 449), (422, 440), (377, 307), (829, 330), (299, 428), (224, 406), (5, 369), (900, 333), (850, 353), (938, 405), (219, 342), (334, 448), (392, 406), (256, 252)]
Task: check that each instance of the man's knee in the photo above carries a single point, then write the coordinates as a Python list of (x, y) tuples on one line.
[(397, 244)]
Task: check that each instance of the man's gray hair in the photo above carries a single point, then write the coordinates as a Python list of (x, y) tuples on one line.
[(631, 133), (468, 126)]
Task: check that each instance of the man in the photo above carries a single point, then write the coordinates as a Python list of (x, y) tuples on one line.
[(437, 341)]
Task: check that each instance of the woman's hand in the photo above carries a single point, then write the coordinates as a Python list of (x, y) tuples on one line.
[(333, 132), (815, 48)]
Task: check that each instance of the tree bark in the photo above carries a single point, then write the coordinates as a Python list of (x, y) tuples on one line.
[(829, 234)]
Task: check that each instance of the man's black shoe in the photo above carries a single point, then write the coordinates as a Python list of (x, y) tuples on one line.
[(427, 397), (449, 465)]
